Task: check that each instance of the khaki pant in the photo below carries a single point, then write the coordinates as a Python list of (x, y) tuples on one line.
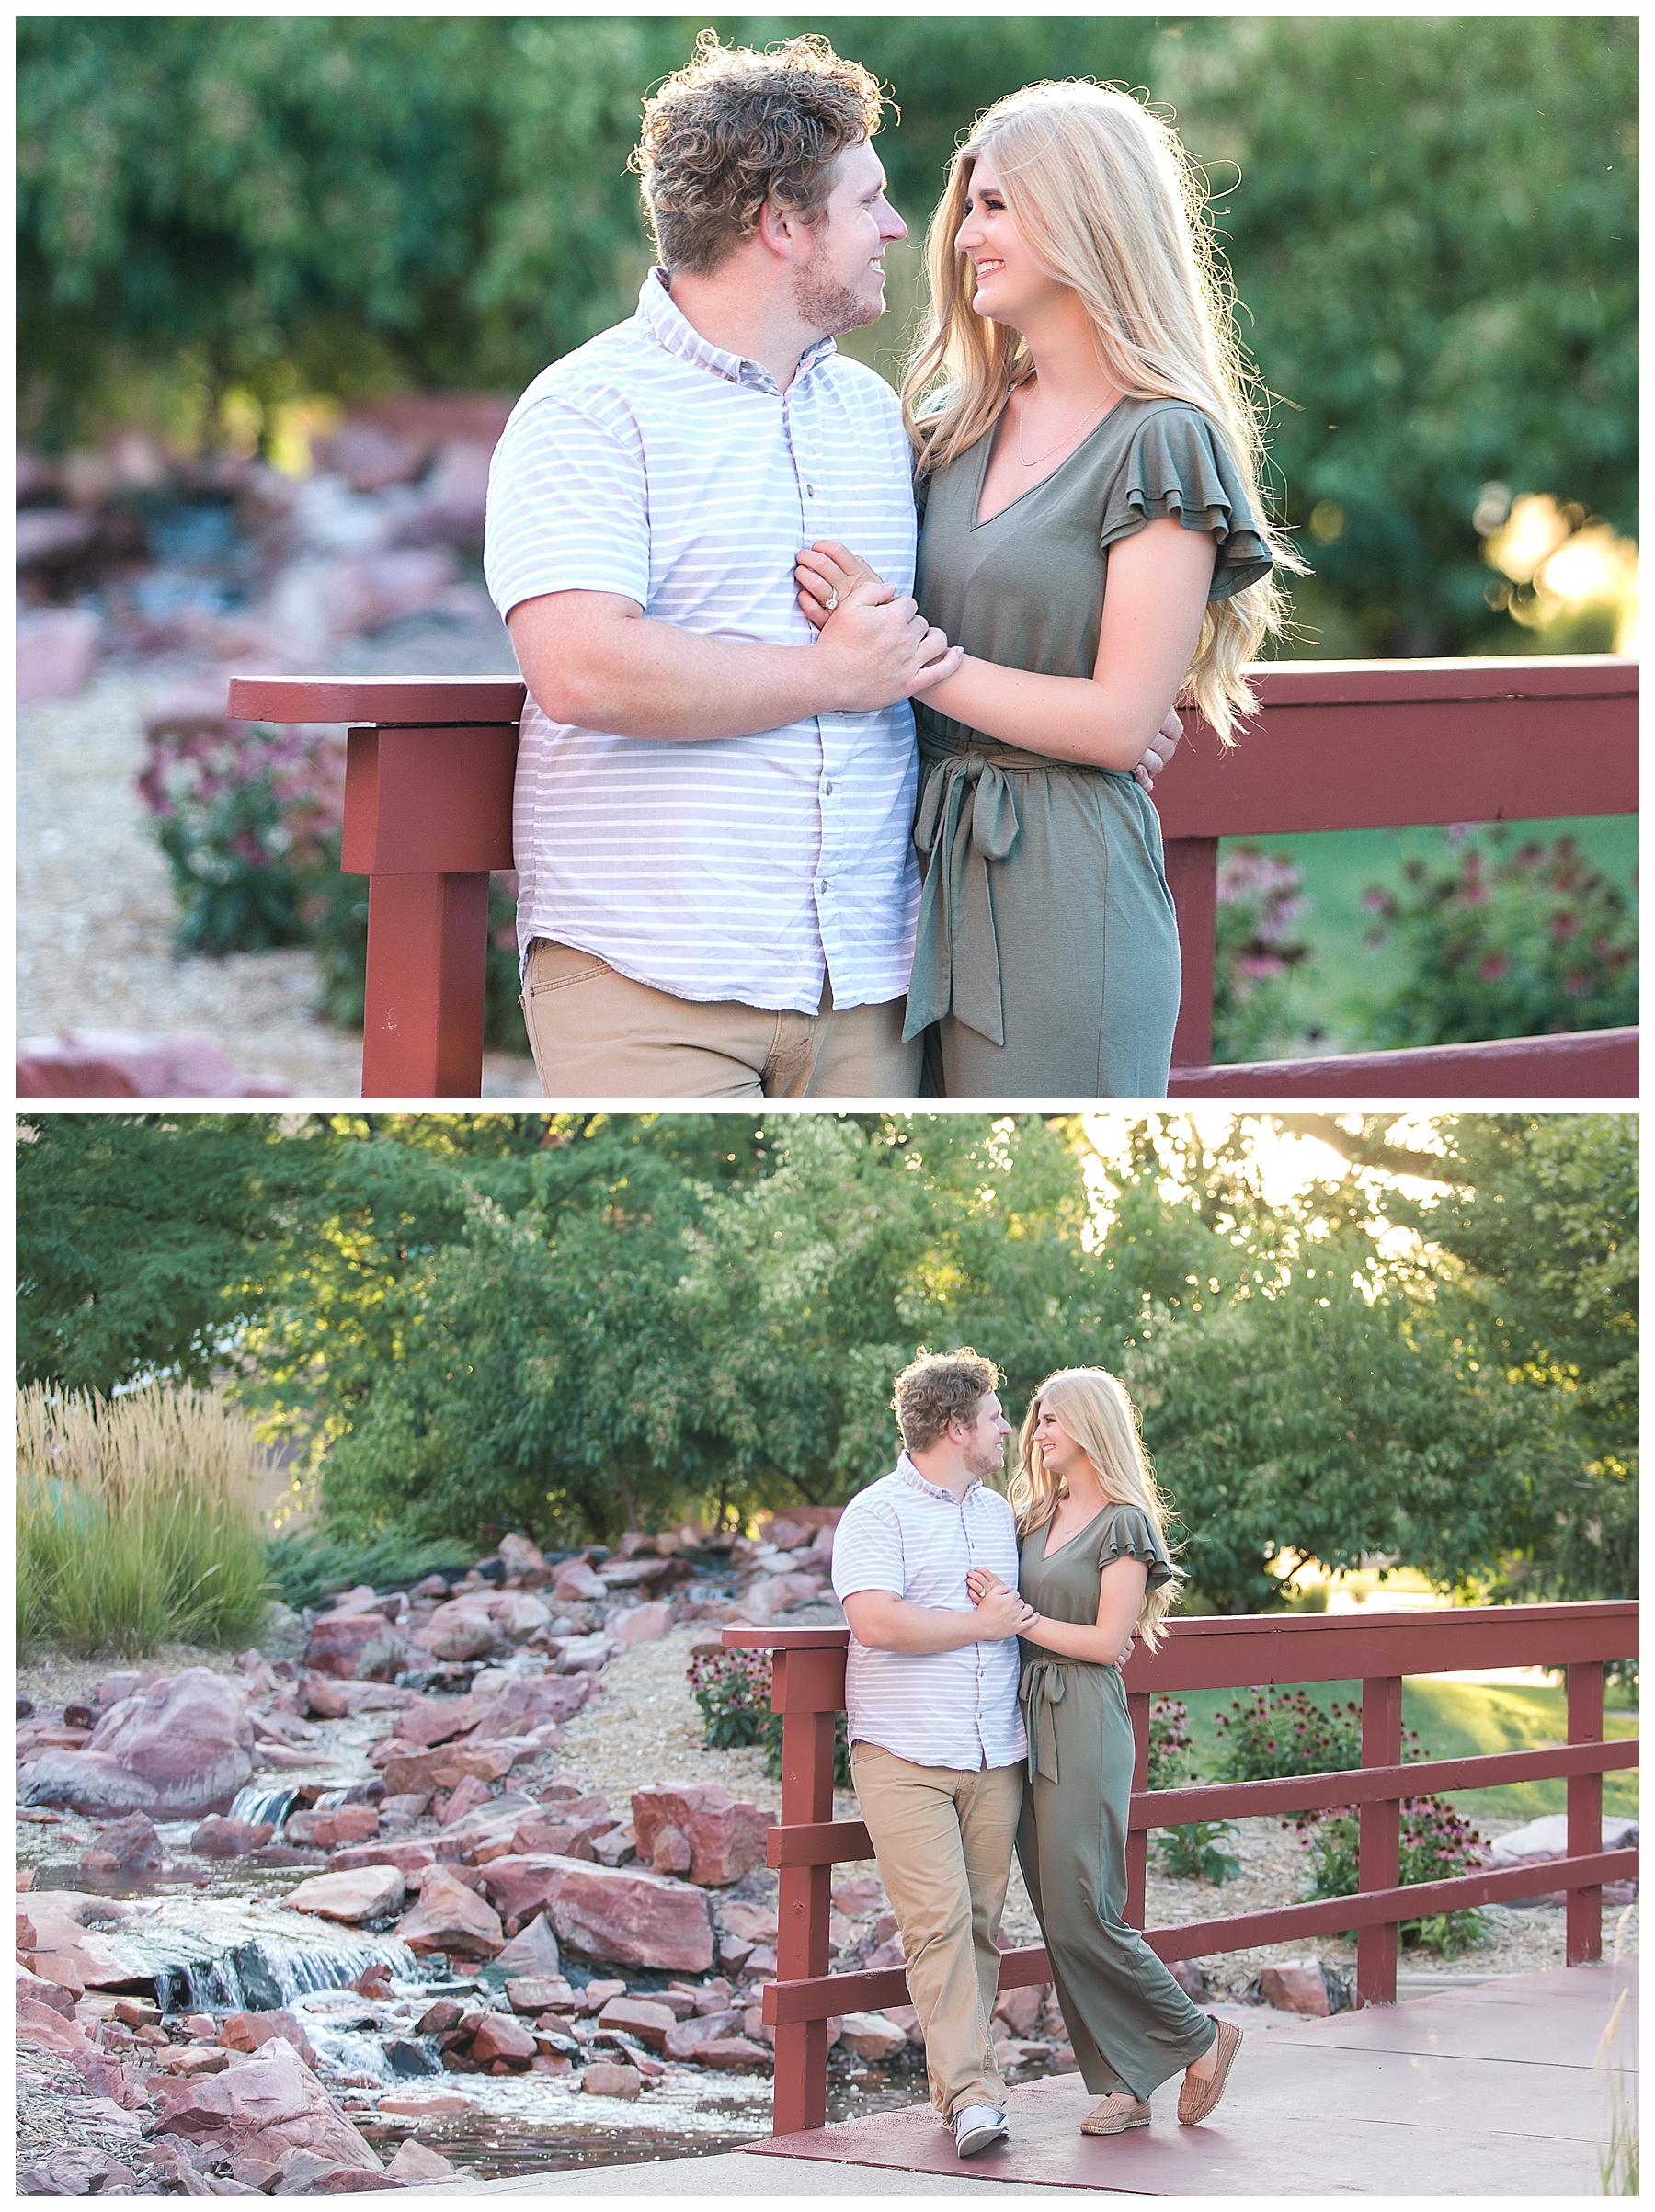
[(943, 1841), (595, 1033)]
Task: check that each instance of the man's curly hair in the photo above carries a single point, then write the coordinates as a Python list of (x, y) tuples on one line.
[(734, 127), (939, 1388)]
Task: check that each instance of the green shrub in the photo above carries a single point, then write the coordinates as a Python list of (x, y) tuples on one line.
[(136, 1521), (1286, 1732), (1485, 945), (733, 1690), (304, 1566), (1436, 1845), (1193, 1850)]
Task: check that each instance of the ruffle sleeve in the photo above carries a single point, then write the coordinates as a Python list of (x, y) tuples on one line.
[(1127, 1532), (1177, 464)]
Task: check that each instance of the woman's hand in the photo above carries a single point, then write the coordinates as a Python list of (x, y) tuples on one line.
[(1162, 747), (825, 573), (980, 1581)]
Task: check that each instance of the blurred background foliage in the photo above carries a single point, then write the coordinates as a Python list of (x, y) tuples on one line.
[(225, 223), (1410, 1342)]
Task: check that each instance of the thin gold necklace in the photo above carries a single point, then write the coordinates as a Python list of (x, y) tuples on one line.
[(1051, 449)]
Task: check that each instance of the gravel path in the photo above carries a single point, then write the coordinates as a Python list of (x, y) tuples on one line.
[(94, 905)]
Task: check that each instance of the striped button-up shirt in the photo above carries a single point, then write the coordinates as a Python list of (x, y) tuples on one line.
[(652, 464), (937, 1708)]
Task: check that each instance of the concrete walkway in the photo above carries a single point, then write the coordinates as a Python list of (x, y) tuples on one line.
[(1482, 2092)]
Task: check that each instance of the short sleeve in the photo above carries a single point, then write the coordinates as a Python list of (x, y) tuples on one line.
[(568, 509), (1177, 464), (867, 1551), (1129, 1534)]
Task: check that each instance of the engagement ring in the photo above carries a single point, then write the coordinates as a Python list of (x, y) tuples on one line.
[(832, 601)]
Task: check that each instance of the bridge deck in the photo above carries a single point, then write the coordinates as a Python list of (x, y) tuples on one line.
[(1484, 2092)]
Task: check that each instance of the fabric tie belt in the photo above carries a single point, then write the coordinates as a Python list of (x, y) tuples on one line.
[(1042, 1686), (967, 817)]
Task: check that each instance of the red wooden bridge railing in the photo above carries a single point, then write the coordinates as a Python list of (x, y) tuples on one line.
[(1337, 745), (808, 1691)]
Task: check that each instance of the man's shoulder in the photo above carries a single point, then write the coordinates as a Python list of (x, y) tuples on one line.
[(875, 1500), (595, 379)]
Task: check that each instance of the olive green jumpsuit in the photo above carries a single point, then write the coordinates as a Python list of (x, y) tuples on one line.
[(1131, 2025)]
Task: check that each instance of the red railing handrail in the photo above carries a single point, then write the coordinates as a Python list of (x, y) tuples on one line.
[(1222, 1652), (1337, 745)]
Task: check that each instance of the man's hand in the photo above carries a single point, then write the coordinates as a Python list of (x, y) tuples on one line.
[(825, 573), (1160, 750), (882, 649), (1002, 1613)]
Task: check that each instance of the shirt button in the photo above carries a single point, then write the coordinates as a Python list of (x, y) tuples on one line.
[(827, 790), (810, 491)]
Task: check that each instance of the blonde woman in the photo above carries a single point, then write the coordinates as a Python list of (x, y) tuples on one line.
[(1093, 535), (1096, 1570)]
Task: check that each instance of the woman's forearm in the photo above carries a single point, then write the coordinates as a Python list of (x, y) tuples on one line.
[(1103, 1647), (1097, 724)]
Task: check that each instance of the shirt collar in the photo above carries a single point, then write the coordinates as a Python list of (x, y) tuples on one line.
[(915, 1480), (670, 328)]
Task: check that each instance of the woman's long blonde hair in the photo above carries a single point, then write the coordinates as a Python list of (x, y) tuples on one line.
[(1106, 197), (1096, 1412)]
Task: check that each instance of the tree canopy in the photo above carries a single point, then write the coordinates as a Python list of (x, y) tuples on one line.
[(573, 1323), (1431, 223)]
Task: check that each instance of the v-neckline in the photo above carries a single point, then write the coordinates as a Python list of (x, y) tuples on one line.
[(1049, 1553), (990, 438)]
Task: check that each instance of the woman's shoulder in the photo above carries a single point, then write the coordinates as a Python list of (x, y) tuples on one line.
[(1122, 1527), (1169, 458)]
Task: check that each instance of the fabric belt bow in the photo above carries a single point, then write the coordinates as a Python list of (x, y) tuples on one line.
[(967, 817), (1044, 1684)]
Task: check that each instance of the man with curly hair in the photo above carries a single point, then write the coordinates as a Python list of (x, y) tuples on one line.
[(717, 887)]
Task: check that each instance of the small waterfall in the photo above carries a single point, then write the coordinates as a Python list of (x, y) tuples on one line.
[(208, 1957), (259, 1802)]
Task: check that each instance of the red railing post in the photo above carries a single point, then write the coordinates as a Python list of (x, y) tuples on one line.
[(1584, 1908), (1192, 879), (807, 1688), (1138, 1839), (1379, 1838)]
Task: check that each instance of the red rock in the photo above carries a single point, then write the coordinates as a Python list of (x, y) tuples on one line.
[(132, 1843), (120, 1063), (872, 2035), (56, 646), (633, 1917), (532, 1952), (603, 2079), (252, 2031), (451, 1916), (1299, 1986), (78, 2171), (345, 1824), (501, 2038), (649, 2022), (219, 1838), (671, 1852), (59, 1969), (516, 1614), (730, 2053), (438, 2018), (446, 1766), (470, 1795), (1020, 2010), (524, 1559), (409, 1859), (582, 1654), (180, 1748), (434, 1719), (727, 1836), (199, 2061), (1188, 1978), (537, 1993), (685, 2039), (755, 1923), (574, 1583), (354, 1645), (523, 1704), (362, 1893), (265, 2105), (414, 2162), (427, 2104), (42, 1990), (461, 1629)]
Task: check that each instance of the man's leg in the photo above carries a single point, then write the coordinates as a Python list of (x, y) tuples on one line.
[(913, 1814), (595, 1033), (859, 1054), (989, 1811)]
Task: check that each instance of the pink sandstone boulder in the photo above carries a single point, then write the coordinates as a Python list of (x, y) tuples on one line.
[(521, 1704), (499, 2040), (461, 1629), (354, 1645), (1298, 1985), (603, 2078), (434, 1719), (416, 2162), (450, 1916), (268, 2103), (618, 1913), (250, 2031), (443, 1767), (727, 1836), (175, 1751), (121, 1063), (362, 1893), (639, 1624), (574, 1583), (218, 1837), (651, 2023)]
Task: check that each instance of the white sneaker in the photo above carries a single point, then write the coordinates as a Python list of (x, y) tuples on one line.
[(977, 2126)]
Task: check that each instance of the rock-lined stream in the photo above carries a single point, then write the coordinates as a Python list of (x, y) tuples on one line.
[(413, 1891)]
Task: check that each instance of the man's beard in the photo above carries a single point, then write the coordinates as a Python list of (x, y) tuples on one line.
[(826, 303), (983, 1461)]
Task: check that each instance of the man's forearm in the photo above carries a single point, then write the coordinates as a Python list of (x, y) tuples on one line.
[(639, 677), (898, 1624)]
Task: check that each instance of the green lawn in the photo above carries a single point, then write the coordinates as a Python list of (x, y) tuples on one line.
[(1457, 1720), (1334, 988)]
